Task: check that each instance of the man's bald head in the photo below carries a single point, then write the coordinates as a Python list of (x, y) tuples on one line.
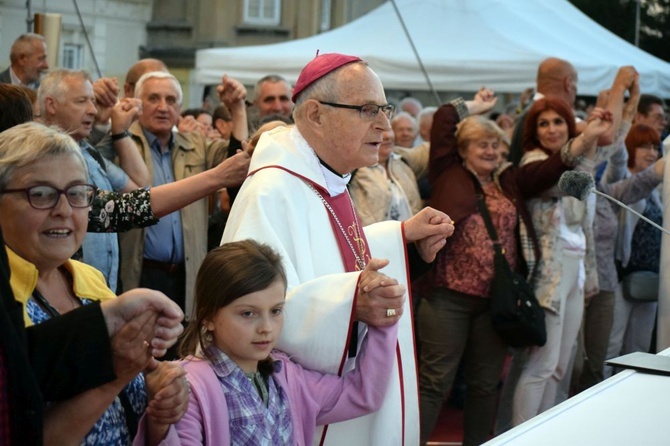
[(557, 77), (140, 68)]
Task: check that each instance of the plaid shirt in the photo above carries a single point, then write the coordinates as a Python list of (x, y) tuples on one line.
[(5, 426), (250, 421)]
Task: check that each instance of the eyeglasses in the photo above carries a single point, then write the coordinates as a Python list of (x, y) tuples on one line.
[(367, 111), (46, 197)]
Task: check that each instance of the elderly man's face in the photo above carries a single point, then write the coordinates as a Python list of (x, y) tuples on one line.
[(160, 106), (274, 97), (405, 131), (74, 111), (350, 141), (35, 63)]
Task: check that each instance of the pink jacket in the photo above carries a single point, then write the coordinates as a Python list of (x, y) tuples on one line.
[(314, 398)]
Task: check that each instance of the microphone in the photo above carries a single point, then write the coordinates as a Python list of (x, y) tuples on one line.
[(579, 184)]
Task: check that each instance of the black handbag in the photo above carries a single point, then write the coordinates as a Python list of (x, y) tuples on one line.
[(516, 314)]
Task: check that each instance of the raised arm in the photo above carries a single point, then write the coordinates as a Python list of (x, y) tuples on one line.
[(233, 94), (130, 159)]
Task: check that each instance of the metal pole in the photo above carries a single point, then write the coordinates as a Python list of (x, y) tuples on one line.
[(438, 101), (88, 41), (637, 23), (29, 17)]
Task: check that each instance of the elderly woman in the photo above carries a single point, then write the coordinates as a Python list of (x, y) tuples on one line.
[(386, 191), (566, 268), (44, 205), (638, 249), (455, 320)]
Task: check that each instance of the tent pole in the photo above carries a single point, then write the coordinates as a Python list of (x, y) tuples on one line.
[(637, 23), (416, 54)]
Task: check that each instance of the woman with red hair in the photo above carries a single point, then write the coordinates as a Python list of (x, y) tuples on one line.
[(638, 251), (566, 269)]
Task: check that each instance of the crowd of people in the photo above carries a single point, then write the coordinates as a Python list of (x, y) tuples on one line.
[(352, 222)]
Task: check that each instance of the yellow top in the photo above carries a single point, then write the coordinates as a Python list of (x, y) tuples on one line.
[(87, 282)]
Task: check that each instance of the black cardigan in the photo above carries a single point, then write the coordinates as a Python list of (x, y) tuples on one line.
[(51, 361)]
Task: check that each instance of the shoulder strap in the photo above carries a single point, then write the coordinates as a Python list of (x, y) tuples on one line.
[(97, 157), (129, 413), (483, 210)]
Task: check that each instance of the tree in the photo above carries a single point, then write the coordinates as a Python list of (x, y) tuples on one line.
[(618, 16)]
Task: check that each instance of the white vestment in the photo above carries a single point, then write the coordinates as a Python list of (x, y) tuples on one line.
[(275, 206)]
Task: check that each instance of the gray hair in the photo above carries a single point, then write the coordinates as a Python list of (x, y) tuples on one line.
[(25, 144), (272, 78), (23, 45), (53, 85), (403, 114), (139, 86)]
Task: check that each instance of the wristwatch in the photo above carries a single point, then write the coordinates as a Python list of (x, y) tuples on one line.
[(118, 136)]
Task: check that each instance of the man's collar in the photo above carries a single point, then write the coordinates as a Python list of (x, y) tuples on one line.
[(336, 183), (16, 81), (152, 138)]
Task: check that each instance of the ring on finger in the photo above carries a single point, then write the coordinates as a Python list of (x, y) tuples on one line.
[(390, 312)]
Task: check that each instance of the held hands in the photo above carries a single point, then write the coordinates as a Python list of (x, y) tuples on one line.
[(598, 122), (630, 108), (128, 311), (429, 228), (106, 92), (124, 112), (626, 77), (380, 298), (485, 99), (168, 394), (131, 352)]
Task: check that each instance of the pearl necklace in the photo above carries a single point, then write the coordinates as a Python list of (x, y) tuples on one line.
[(360, 259)]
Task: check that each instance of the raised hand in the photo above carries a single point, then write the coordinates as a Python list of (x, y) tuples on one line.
[(484, 100), (231, 91), (106, 92), (598, 122), (124, 112)]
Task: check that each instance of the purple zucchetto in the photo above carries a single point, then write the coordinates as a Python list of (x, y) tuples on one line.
[(319, 67)]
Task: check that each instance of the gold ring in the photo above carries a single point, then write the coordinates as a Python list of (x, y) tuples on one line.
[(390, 312), (146, 344)]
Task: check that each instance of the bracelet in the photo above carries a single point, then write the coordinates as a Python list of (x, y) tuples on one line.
[(118, 136), (461, 108)]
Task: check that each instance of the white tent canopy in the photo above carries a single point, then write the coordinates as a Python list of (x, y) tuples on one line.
[(463, 45)]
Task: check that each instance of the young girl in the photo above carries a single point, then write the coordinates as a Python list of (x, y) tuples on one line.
[(243, 391)]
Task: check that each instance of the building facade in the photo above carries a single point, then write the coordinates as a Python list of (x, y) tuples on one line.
[(122, 31)]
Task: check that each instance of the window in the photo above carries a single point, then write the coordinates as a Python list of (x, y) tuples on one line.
[(325, 16), (72, 56), (262, 12)]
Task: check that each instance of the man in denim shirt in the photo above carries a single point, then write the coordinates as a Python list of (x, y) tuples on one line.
[(66, 99)]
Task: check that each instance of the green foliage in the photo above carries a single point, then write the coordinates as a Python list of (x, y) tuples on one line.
[(618, 16)]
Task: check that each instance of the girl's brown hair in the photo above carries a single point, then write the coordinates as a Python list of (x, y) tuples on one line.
[(228, 272)]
